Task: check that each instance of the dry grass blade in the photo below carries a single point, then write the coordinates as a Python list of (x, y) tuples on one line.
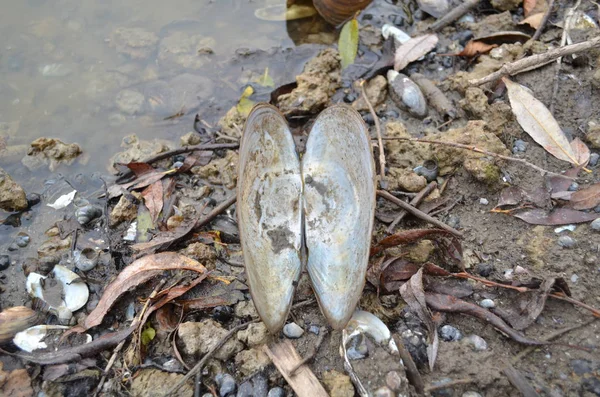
[(414, 49), (538, 122)]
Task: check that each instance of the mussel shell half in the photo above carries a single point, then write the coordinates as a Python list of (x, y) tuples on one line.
[(339, 206), (269, 213)]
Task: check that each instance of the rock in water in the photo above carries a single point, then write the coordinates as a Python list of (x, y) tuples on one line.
[(12, 196)]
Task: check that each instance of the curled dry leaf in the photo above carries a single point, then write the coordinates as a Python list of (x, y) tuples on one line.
[(586, 198), (560, 216), (475, 48), (528, 6), (135, 274), (535, 118), (582, 152), (414, 49), (153, 199), (534, 20), (527, 306)]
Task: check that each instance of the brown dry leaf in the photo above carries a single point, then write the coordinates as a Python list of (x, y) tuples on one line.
[(413, 294), (582, 152), (414, 49), (532, 7), (144, 180), (475, 48), (535, 118), (405, 237), (503, 37), (558, 184), (528, 6), (527, 306), (153, 199), (164, 240), (586, 198), (15, 383), (135, 274), (560, 216), (534, 20)]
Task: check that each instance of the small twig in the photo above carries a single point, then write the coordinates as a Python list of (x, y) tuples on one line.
[(414, 202), (378, 130), (516, 378), (595, 312), (134, 323), (198, 367), (418, 213), (412, 373), (540, 28), (536, 61), (478, 150), (187, 149), (215, 212), (453, 383), (312, 352), (453, 15)]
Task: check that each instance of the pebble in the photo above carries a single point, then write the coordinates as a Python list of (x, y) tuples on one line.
[(22, 240), (393, 380), (477, 342), (349, 98), (292, 331), (596, 225), (453, 221), (573, 187), (471, 394), (581, 367), (13, 247), (33, 199), (383, 391), (487, 303), (358, 348), (226, 384), (519, 146), (574, 278), (276, 392), (484, 269), (566, 241), (314, 329), (4, 262), (594, 159), (483, 201), (449, 333)]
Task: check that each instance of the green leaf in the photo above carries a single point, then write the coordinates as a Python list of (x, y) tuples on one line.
[(265, 80), (246, 104), (148, 335), (144, 223), (348, 43)]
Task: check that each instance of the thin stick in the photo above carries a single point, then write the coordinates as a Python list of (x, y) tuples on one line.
[(198, 367), (134, 323), (412, 373), (453, 15), (216, 212), (378, 130), (536, 61), (477, 150), (540, 28), (418, 213), (595, 312), (187, 149), (414, 202)]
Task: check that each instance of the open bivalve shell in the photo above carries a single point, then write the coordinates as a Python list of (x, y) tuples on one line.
[(42, 337), (316, 213), (64, 292)]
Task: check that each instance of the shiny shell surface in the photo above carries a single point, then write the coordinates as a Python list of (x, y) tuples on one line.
[(327, 201), (269, 213)]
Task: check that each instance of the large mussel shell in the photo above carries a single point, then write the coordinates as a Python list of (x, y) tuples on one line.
[(339, 202), (269, 213)]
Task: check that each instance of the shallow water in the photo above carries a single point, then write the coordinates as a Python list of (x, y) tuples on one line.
[(64, 64)]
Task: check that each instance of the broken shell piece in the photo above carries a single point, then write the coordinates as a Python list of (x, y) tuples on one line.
[(64, 292), (86, 259), (406, 94), (429, 170), (369, 324), (16, 319), (42, 337), (388, 30)]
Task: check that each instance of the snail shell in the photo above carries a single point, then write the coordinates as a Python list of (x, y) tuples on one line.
[(337, 11), (14, 320)]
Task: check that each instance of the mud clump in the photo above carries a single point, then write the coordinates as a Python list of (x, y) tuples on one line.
[(51, 152), (12, 196)]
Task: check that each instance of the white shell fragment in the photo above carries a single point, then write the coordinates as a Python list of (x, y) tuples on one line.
[(63, 201), (269, 213), (369, 324), (328, 201), (279, 12), (339, 205), (32, 338), (64, 292), (406, 94), (400, 37)]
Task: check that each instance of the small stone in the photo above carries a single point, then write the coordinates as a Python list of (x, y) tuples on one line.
[(248, 362), (596, 225), (483, 201), (484, 269), (276, 392), (22, 240), (519, 146), (394, 380), (406, 94), (12, 196), (245, 390), (566, 241), (292, 331), (226, 384), (574, 278), (245, 309), (198, 338), (477, 342), (33, 199), (573, 187), (594, 159), (125, 210), (314, 329), (153, 382), (453, 221), (449, 333), (471, 394), (581, 367), (487, 303), (254, 335), (13, 247), (4, 262), (190, 139), (338, 384), (384, 391)]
